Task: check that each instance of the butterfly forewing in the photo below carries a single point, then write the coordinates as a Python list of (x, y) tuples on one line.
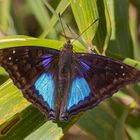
[(32, 69)]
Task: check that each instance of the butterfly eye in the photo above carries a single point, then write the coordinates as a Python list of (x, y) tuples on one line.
[(70, 47)]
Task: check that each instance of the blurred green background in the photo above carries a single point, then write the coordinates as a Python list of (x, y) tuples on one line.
[(115, 34)]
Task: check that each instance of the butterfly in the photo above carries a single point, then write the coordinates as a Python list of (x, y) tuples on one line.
[(61, 83)]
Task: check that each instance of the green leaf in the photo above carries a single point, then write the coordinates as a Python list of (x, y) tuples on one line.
[(3, 75), (102, 37), (18, 41), (121, 41), (136, 2), (132, 62), (133, 126), (99, 122), (133, 28), (40, 12), (60, 9), (9, 101), (102, 122), (85, 13), (4, 14), (120, 133), (51, 131), (134, 133)]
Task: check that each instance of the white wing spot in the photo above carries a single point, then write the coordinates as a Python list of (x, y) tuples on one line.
[(9, 58), (123, 74), (14, 51), (122, 67)]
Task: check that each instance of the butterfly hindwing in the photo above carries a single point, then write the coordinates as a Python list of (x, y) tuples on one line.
[(79, 91), (44, 86), (32, 70)]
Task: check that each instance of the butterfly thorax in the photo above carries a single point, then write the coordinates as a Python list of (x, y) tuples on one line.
[(64, 80), (65, 58)]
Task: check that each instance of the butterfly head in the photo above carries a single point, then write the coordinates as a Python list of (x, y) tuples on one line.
[(68, 46)]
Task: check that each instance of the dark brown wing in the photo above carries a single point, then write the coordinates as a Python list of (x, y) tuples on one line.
[(104, 76), (25, 65)]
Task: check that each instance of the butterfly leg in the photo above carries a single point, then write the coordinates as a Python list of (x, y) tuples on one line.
[(64, 116), (51, 115)]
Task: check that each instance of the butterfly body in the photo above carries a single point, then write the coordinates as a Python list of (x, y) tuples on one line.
[(62, 83)]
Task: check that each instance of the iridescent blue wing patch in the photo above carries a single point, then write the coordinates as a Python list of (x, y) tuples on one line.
[(46, 60), (79, 92), (44, 86)]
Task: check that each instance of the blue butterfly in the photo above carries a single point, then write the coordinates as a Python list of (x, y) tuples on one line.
[(62, 83)]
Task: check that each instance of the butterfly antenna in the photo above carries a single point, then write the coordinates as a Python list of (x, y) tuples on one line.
[(85, 30), (62, 27), (69, 29)]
